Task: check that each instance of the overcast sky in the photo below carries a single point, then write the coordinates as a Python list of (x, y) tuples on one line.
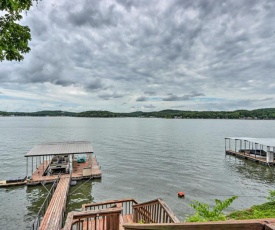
[(125, 56)]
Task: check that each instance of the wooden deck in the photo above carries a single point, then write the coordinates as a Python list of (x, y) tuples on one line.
[(77, 174), (244, 155), (95, 169), (53, 217)]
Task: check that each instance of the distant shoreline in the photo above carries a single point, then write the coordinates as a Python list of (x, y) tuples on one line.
[(257, 114)]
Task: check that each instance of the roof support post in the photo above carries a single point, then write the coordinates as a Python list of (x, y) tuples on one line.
[(241, 144), (43, 166), (235, 146), (260, 150), (270, 155), (27, 167), (70, 164), (244, 147), (255, 149)]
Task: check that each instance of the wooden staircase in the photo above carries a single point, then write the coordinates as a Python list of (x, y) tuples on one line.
[(113, 214)]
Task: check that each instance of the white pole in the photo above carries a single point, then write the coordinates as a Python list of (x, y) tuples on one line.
[(27, 167)]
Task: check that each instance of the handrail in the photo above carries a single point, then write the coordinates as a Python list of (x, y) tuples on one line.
[(126, 204), (255, 224), (147, 202), (104, 218), (85, 206), (36, 222), (154, 211)]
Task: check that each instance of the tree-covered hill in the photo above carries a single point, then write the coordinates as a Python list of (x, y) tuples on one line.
[(263, 114)]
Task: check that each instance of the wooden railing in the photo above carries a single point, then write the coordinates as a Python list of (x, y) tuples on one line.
[(155, 211), (125, 204), (257, 224), (107, 219)]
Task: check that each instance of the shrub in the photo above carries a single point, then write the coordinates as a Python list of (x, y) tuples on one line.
[(271, 196), (203, 211)]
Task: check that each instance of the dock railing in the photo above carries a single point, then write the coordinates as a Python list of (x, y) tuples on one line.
[(155, 211), (105, 219), (37, 221), (125, 204)]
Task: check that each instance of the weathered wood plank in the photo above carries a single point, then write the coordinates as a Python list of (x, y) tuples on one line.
[(270, 226)]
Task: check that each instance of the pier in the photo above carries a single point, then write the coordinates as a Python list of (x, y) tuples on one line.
[(260, 150), (47, 161)]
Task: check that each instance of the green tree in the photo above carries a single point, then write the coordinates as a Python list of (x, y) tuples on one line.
[(14, 38)]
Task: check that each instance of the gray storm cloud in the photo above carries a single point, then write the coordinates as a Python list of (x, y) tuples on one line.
[(124, 49)]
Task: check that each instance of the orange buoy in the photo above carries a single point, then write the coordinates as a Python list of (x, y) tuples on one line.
[(181, 194)]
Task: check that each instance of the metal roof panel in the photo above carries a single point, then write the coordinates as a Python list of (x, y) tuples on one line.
[(61, 148)]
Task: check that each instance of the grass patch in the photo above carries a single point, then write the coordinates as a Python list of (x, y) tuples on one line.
[(266, 210)]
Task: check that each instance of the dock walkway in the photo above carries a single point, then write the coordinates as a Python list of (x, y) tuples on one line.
[(53, 217)]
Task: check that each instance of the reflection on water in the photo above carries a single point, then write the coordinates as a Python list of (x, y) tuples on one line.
[(249, 170), (35, 196), (79, 194)]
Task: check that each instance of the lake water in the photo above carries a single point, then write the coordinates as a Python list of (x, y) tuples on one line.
[(143, 158)]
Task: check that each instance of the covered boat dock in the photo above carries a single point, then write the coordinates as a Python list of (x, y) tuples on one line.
[(45, 162), (260, 150)]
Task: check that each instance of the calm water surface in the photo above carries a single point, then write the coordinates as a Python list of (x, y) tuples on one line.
[(140, 158)]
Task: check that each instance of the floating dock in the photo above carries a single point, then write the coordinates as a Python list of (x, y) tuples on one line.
[(50, 160), (46, 162), (260, 150), (13, 182)]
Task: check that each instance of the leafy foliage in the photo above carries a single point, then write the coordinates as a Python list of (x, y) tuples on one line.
[(205, 213), (141, 221), (271, 196), (14, 37), (266, 210)]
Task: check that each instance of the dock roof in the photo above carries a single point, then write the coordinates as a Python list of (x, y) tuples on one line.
[(263, 141), (61, 148)]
